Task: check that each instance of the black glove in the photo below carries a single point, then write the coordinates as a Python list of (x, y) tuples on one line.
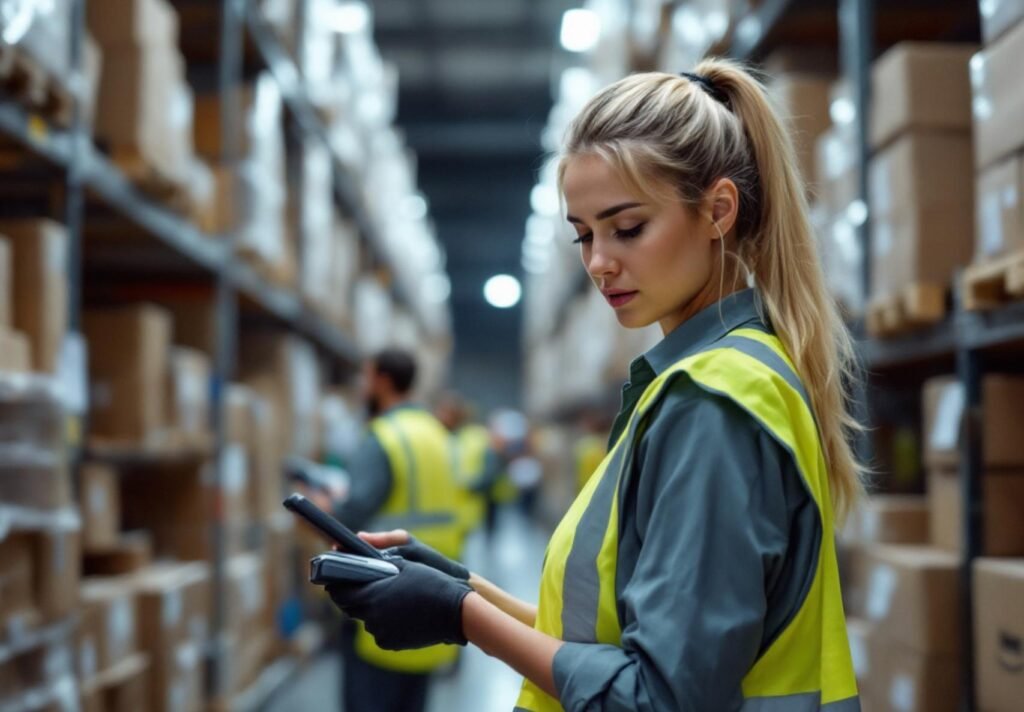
[(419, 552), (418, 607)]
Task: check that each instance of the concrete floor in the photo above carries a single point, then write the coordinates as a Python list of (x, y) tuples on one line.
[(482, 684)]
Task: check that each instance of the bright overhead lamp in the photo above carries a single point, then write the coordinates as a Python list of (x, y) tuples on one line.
[(502, 291), (581, 30)]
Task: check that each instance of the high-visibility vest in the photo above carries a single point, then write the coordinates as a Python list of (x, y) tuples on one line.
[(469, 456), (422, 501), (808, 665)]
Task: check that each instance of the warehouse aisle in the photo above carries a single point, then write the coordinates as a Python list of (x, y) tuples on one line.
[(481, 683)]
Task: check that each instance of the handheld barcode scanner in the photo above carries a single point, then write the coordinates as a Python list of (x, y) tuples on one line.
[(360, 563), (337, 567)]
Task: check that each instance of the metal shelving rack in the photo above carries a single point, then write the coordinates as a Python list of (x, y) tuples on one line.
[(83, 170)]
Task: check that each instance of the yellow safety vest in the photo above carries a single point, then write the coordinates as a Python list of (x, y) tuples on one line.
[(470, 445), (808, 666), (422, 501)]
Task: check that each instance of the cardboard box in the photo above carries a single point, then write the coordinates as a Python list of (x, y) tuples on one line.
[(266, 472), (922, 218), (804, 100), (42, 486), (998, 98), (177, 503), (131, 552), (195, 321), (999, 633), (122, 688), (100, 505), (284, 370), (128, 367), (109, 627), (914, 597), (207, 134), (999, 203), (920, 85), (173, 611), (17, 555), (906, 680), (188, 398), (1002, 512), (280, 551), (243, 574), (237, 414), (15, 352), (116, 23), (145, 108), (6, 295), (57, 573), (997, 16), (889, 519), (40, 286), (943, 406)]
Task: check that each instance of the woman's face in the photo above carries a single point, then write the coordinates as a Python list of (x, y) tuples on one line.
[(652, 262)]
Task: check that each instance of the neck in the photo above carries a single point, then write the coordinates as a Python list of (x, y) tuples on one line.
[(387, 401)]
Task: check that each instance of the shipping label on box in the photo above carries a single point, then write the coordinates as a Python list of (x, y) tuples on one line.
[(999, 633), (100, 506)]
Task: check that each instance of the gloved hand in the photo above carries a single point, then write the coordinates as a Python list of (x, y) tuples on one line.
[(418, 607), (419, 552)]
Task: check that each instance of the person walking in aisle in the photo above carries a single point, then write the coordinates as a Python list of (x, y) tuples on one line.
[(401, 478), (697, 568)]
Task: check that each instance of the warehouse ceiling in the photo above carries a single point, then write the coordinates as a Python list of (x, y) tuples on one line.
[(475, 80)]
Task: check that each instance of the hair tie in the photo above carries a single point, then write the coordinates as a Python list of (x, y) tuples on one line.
[(709, 87)]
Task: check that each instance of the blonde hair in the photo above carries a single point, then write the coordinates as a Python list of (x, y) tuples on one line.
[(669, 138)]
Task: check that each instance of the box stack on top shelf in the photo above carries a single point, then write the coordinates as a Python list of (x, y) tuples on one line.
[(998, 102), (921, 218)]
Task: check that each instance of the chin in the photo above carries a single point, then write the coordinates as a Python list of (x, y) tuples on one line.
[(632, 321)]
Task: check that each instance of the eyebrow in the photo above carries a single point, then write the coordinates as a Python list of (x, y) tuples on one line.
[(607, 212)]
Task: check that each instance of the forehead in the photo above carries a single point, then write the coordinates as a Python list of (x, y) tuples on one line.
[(590, 183)]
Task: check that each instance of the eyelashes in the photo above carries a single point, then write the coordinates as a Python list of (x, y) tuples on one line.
[(626, 234)]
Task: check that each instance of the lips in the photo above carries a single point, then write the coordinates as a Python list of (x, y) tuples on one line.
[(618, 298)]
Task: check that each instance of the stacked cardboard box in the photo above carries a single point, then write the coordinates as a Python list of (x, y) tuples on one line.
[(999, 633), (998, 132), (145, 108), (804, 99), (34, 260), (113, 673), (144, 392), (835, 191), (921, 218), (248, 630), (1002, 459), (252, 198), (172, 604)]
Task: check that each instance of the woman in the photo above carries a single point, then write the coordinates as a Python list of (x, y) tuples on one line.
[(696, 570)]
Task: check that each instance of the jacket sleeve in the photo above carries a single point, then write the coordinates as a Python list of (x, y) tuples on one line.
[(710, 522), (370, 485)]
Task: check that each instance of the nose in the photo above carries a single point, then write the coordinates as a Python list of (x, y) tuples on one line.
[(600, 262)]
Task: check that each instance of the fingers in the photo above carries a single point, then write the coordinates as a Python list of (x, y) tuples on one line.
[(384, 540)]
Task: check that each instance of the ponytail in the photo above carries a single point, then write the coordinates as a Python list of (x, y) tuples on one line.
[(784, 259), (695, 132)]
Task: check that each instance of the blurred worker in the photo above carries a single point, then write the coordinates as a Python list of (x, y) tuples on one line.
[(401, 477), (473, 458), (592, 444), (697, 569)]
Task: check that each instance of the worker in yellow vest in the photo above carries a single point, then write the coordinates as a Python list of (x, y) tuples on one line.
[(471, 455), (591, 444), (401, 477), (697, 568)]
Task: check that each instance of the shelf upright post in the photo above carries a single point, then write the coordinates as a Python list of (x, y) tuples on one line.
[(856, 42), (229, 79), (74, 204), (970, 370), (297, 139)]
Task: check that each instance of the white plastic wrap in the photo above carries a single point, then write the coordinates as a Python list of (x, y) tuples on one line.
[(42, 28)]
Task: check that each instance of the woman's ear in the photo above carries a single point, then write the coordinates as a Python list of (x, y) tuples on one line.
[(724, 200)]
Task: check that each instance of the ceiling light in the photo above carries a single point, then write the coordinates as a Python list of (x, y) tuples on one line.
[(581, 30), (502, 291)]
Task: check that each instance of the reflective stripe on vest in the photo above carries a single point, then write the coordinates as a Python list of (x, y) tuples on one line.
[(423, 501), (808, 665)]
